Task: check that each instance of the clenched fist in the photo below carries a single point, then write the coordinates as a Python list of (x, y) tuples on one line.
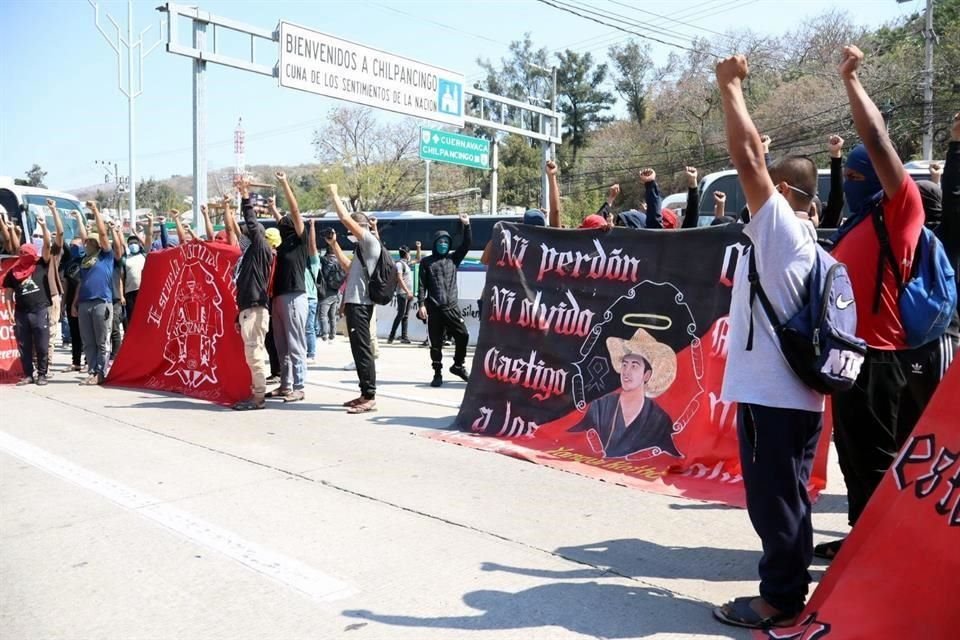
[(731, 69)]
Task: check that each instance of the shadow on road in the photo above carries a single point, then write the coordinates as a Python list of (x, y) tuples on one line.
[(588, 608), (442, 423)]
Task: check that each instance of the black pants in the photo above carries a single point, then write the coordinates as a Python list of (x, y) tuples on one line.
[(449, 320), (33, 336), (76, 342), (272, 353), (358, 329), (131, 297), (777, 447), (115, 335), (402, 319), (874, 419)]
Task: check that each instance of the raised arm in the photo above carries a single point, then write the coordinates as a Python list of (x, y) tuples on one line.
[(337, 251), (57, 225), (116, 241), (652, 199), (606, 209), (743, 140), (164, 234), (833, 211), (178, 223), (461, 251), (419, 247), (254, 228), (207, 223), (230, 223), (353, 228), (272, 208), (5, 235), (554, 196), (312, 241), (292, 201), (45, 254), (870, 126), (98, 221), (147, 239), (81, 225), (691, 214), (719, 204)]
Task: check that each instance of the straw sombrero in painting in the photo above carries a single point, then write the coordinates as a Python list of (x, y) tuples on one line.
[(662, 359)]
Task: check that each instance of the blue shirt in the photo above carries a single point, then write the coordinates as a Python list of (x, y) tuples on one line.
[(313, 272), (96, 280)]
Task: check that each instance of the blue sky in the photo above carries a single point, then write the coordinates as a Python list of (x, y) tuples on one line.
[(62, 109)]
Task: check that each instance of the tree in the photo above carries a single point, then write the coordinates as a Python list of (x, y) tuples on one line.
[(580, 98), (379, 160), (519, 172), (632, 64), (523, 74), (35, 176)]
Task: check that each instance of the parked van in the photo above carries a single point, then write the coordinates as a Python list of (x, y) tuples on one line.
[(726, 182), (24, 204)]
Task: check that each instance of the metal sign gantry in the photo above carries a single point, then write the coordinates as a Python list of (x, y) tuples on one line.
[(481, 109)]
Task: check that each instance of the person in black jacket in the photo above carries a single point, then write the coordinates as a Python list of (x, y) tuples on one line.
[(832, 214), (438, 298), (253, 296)]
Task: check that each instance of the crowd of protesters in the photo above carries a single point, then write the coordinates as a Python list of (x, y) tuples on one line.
[(289, 298)]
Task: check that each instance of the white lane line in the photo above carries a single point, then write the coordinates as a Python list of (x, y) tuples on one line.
[(288, 571), (387, 394)]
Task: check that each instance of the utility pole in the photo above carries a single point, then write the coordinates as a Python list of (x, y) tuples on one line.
[(426, 193), (135, 55), (494, 175), (929, 38)]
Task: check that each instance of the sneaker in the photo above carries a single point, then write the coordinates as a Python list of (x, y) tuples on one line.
[(350, 366), (273, 380), (24, 382), (437, 380), (460, 372), (311, 360), (389, 340), (404, 340), (41, 381)]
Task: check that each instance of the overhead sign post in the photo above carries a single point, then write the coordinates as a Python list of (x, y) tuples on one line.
[(329, 66), (454, 148)]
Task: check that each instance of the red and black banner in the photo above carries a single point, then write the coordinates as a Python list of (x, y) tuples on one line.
[(898, 572), (183, 336), (602, 352)]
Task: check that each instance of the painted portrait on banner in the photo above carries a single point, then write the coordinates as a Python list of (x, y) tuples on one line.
[(603, 352)]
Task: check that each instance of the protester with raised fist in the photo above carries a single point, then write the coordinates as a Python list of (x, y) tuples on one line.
[(358, 307), (253, 298), (779, 417), (27, 298), (832, 213), (94, 302), (875, 417)]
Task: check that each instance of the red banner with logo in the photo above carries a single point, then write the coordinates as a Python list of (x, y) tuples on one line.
[(11, 370), (603, 353), (898, 573), (183, 338)]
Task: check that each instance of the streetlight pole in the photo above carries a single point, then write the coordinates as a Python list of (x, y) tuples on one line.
[(134, 60), (929, 37)]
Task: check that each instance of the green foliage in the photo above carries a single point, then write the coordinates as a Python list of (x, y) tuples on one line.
[(580, 98), (519, 172), (35, 176), (632, 64)]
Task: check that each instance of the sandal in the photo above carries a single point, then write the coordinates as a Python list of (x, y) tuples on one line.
[(354, 402), (294, 396), (278, 393), (828, 550), (90, 381), (739, 613), (249, 405), (367, 406)]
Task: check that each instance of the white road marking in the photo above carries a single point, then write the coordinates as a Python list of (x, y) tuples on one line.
[(288, 571)]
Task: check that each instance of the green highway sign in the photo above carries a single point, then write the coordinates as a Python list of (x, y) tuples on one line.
[(454, 148)]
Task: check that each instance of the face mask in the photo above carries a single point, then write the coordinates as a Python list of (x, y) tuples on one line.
[(38, 243), (443, 246), (134, 249), (860, 195)]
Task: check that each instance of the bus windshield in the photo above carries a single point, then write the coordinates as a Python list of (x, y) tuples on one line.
[(37, 206)]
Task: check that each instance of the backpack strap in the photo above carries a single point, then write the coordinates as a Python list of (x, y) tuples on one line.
[(757, 292), (886, 255)]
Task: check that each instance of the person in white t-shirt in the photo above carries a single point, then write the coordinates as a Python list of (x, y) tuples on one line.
[(779, 418)]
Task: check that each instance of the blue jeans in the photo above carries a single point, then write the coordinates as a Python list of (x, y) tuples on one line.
[(311, 327)]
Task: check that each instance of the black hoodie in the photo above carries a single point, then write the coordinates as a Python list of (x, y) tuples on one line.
[(438, 274)]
